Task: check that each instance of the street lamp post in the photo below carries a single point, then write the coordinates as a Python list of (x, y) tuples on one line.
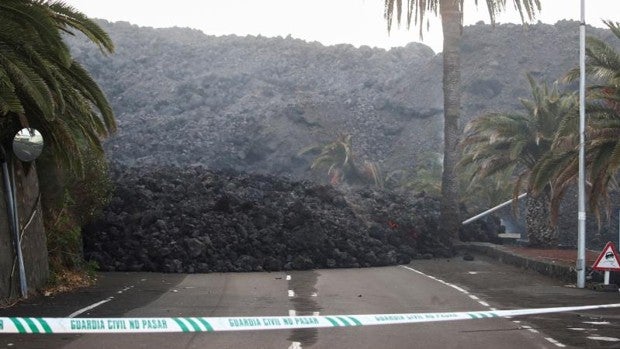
[(581, 215)]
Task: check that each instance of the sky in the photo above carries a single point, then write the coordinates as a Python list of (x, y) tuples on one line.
[(356, 22)]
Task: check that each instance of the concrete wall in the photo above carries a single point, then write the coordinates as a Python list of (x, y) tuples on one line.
[(34, 244)]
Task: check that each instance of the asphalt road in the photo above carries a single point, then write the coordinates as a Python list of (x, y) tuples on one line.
[(480, 285)]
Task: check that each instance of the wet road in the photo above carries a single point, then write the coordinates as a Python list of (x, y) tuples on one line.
[(324, 292)]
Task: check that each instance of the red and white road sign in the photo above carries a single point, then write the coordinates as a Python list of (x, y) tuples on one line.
[(609, 259)]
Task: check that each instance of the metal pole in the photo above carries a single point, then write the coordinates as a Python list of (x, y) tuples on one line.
[(606, 280), (23, 284), (491, 210), (581, 215), (14, 226)]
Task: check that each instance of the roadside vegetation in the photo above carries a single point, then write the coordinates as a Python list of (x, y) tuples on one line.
[(507, 154), (539, 150), (43, 87), (515, 144)]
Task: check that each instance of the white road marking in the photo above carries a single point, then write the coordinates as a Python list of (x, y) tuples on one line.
[(95, 305), (292, 312), (436, 279), (553, 341), (596, 322), (472, 272), (316, 313), (125, 289), (481, 302), (295, 345), (92, 306), (314, 294), (604, 339), (458, 288), (582, 329), (529, 328)]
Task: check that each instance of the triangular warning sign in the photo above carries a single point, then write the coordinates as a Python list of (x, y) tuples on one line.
[(609, 260)]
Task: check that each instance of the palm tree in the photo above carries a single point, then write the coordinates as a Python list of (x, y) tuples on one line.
[(603, 129), (41, 86), (451, 12), (516, 143), (338, 158)]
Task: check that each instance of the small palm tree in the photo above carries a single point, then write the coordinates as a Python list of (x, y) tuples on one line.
[(515, 143), (338, 158)]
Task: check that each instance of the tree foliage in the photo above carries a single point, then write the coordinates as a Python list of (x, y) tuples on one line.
[(41, 86), (602, 128), (514, 144), (338, 158)]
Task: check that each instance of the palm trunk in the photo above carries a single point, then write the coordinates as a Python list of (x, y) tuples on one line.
[(451, 19), (540, 232)]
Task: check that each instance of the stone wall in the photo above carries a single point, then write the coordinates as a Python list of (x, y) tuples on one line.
[(33, 235)]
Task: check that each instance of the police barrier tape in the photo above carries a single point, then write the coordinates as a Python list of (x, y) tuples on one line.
[(215, 324)]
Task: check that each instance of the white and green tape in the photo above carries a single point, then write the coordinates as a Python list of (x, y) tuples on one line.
[(215, 324)]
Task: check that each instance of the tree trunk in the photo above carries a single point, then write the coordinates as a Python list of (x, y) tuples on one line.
[(540, 232), (451, 20)]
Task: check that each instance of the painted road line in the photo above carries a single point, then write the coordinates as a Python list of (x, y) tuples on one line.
[(460, 289), (124, 289), (464, 291), (529, 328), (209, 324), (597, 322), (604, 339), (288, 278), (92, 306), (292, 312), (291, 293), (556, 343)]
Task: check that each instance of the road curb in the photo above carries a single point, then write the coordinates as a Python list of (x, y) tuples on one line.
[(547, 268)]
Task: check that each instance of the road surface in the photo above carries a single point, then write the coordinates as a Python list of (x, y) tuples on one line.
[(462, 286)]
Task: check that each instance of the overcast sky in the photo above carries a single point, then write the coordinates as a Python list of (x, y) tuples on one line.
[(357, 22)]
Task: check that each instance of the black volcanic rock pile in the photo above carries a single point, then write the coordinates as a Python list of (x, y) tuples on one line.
[(196, 220)]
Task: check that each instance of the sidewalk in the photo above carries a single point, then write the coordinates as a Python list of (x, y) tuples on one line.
[(557, 263)]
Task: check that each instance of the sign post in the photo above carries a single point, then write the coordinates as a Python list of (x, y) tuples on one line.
[(608, 260)]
